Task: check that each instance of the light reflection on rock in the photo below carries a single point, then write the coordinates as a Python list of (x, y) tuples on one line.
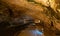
[(30, 33)]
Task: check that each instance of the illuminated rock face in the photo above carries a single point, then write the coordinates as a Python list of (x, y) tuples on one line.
[(44, 2)]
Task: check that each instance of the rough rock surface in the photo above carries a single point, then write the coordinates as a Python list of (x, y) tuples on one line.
[(48, 13)]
